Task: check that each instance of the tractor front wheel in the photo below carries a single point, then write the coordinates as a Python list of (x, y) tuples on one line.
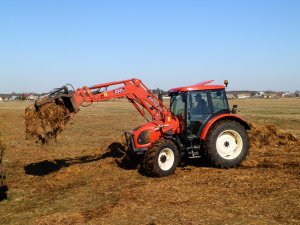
[(161, 159), (226, 144)]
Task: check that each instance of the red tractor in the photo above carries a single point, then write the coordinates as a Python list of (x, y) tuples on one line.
[(197, 124)]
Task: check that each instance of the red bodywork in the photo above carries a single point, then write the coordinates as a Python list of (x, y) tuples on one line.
[(198, 87), (162, 123), (205, 85), (142, 98), (222, 117)]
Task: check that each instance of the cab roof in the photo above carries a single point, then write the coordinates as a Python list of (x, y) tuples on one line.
[(205, 85)]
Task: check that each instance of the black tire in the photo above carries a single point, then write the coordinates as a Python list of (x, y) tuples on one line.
[(161, 159), (226, 144)]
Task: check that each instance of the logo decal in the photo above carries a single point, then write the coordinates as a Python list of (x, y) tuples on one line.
[(118, 91)]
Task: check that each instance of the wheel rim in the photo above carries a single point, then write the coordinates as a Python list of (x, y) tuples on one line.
[(229, 144), (166, 159)]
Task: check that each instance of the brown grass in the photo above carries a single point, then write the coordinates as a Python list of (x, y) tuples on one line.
[(2, 148), (84, 177), (3, 187), (283, 112)]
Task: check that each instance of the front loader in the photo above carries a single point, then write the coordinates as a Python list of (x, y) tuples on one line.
[(197, 124)]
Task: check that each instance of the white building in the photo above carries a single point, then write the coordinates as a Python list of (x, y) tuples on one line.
[(32, 97), (286, 95), (244, 95)]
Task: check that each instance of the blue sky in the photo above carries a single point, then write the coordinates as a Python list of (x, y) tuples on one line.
[(253, 44)]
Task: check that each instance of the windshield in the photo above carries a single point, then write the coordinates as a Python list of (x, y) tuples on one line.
[(177, 104)]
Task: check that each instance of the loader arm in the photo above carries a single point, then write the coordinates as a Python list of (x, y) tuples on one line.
[(133, 89)]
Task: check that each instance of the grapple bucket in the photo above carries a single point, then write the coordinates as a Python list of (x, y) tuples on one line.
[(59, 96)]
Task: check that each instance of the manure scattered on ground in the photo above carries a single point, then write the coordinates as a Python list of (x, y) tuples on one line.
[(44, 124), (269, 135), (3, 187), (2, 147)]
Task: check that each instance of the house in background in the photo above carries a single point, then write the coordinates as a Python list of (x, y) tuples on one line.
[(286, 95), (259, 94), (13, 98), (244, 95), (32, 97), (230, 96)]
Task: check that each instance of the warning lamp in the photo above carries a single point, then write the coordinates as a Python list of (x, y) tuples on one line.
[(226, 83)]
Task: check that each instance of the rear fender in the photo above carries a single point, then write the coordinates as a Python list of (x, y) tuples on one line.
[(219, 118)]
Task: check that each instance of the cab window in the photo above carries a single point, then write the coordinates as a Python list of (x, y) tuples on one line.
[(218, 100), (177, 104), (198, 103), (198, 112)]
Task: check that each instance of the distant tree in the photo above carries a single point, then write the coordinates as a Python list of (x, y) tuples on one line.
[(23, 96), (158, 90)]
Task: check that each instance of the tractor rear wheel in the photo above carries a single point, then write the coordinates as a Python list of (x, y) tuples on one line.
[(161, 159), (226, 144)]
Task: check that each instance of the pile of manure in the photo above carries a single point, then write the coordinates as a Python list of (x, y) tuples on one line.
[(269, 135), (44, 123)]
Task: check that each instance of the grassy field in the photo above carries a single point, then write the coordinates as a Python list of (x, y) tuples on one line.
[(283, 112), (84, 178)]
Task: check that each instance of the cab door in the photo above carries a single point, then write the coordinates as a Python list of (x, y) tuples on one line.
[(198, 111)]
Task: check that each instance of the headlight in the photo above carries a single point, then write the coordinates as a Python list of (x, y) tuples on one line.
[(144, 137)]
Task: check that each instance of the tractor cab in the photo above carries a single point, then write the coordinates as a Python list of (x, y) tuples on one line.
[(196, 105)]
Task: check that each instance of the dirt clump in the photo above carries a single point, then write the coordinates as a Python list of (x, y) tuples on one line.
[(3, 187), (43, 124), (2, 147), (269, 135)]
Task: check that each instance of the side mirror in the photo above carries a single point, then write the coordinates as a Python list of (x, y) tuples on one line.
[(234, 109)]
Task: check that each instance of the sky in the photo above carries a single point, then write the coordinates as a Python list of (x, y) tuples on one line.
[(255, 44)]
